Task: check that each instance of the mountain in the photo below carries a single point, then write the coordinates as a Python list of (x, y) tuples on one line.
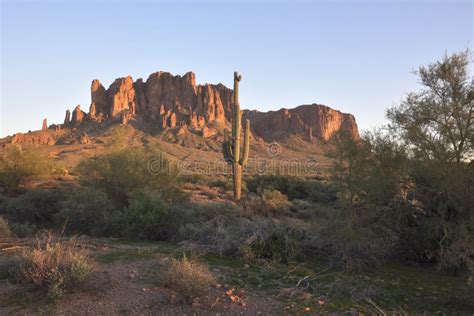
[(175, 107)]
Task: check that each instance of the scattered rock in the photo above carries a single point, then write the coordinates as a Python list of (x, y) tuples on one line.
[(85, 139)]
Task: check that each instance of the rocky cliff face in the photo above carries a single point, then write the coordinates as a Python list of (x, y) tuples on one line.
[(308, 121), (177, 103), (163, 99)]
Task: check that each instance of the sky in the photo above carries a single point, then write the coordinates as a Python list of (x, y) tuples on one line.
[(354, 56)]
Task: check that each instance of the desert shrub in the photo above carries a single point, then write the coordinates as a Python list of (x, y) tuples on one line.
[(267, 202), (3, 203), (294, 187), (438, 216), (437, 132), (88, 211), (22, 230), (194, 179), (4, 229), (53, 265), (36, 207), (354, 239), (188, 277), (149, 216), (275, 201), (18, 166), (122, 172), (274, 243), (218, 225), (119, 138), (223, 183), (459, 255), (303, 209)]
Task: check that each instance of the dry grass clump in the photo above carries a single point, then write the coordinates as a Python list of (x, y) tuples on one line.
[(54, 265), (275, 201), (188, 277), (4, 229), (267, 202)]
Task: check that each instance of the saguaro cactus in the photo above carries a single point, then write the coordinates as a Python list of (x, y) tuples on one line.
[(231, 146)]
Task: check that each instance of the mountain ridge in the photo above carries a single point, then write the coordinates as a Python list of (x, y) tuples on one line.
[(167, 102)]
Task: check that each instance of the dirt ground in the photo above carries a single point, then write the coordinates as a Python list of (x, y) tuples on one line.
[(129, 285), (128, 280)]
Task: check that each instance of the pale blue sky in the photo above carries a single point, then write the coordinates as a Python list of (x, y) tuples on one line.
[(355, 56)]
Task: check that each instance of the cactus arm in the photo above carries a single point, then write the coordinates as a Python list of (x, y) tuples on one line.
[(227, 148), (245, 152)]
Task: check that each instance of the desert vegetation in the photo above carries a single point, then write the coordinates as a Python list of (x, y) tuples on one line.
[(189, 277), (53, 265), (398, 197)]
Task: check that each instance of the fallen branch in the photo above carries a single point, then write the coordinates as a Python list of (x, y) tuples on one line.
[(368, 300), (12, 248), (299, 282)]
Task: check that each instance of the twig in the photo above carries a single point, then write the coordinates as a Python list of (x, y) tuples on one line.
[(368, 300), (12, 248), (299, 282)]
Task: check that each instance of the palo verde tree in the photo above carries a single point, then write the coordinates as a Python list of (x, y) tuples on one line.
[(437, 123), (231, 147), (437, 126)]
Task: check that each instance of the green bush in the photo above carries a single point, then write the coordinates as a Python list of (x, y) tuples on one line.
[(88, 211), (149, 216), (218, 225), (37, 207), (121, 173), (294, 187), (18, 166), (22, 230), (275, 243), (354, 239), (4, 229), (54, 265), (269, 202)]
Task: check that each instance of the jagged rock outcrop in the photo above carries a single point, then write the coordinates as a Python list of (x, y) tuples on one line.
[(38, 138), (165, 101), (163, 98), (121, 96), (308, 121), (210, 105), (126, 116), (140, 97), (77, 115), (67, 118), (175, 93), (45, 125), (99, 108)]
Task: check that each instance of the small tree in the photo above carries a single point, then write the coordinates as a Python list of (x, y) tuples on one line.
[(349, 164), (122, 172), (438, 122), (437, 125), (18, 166)]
